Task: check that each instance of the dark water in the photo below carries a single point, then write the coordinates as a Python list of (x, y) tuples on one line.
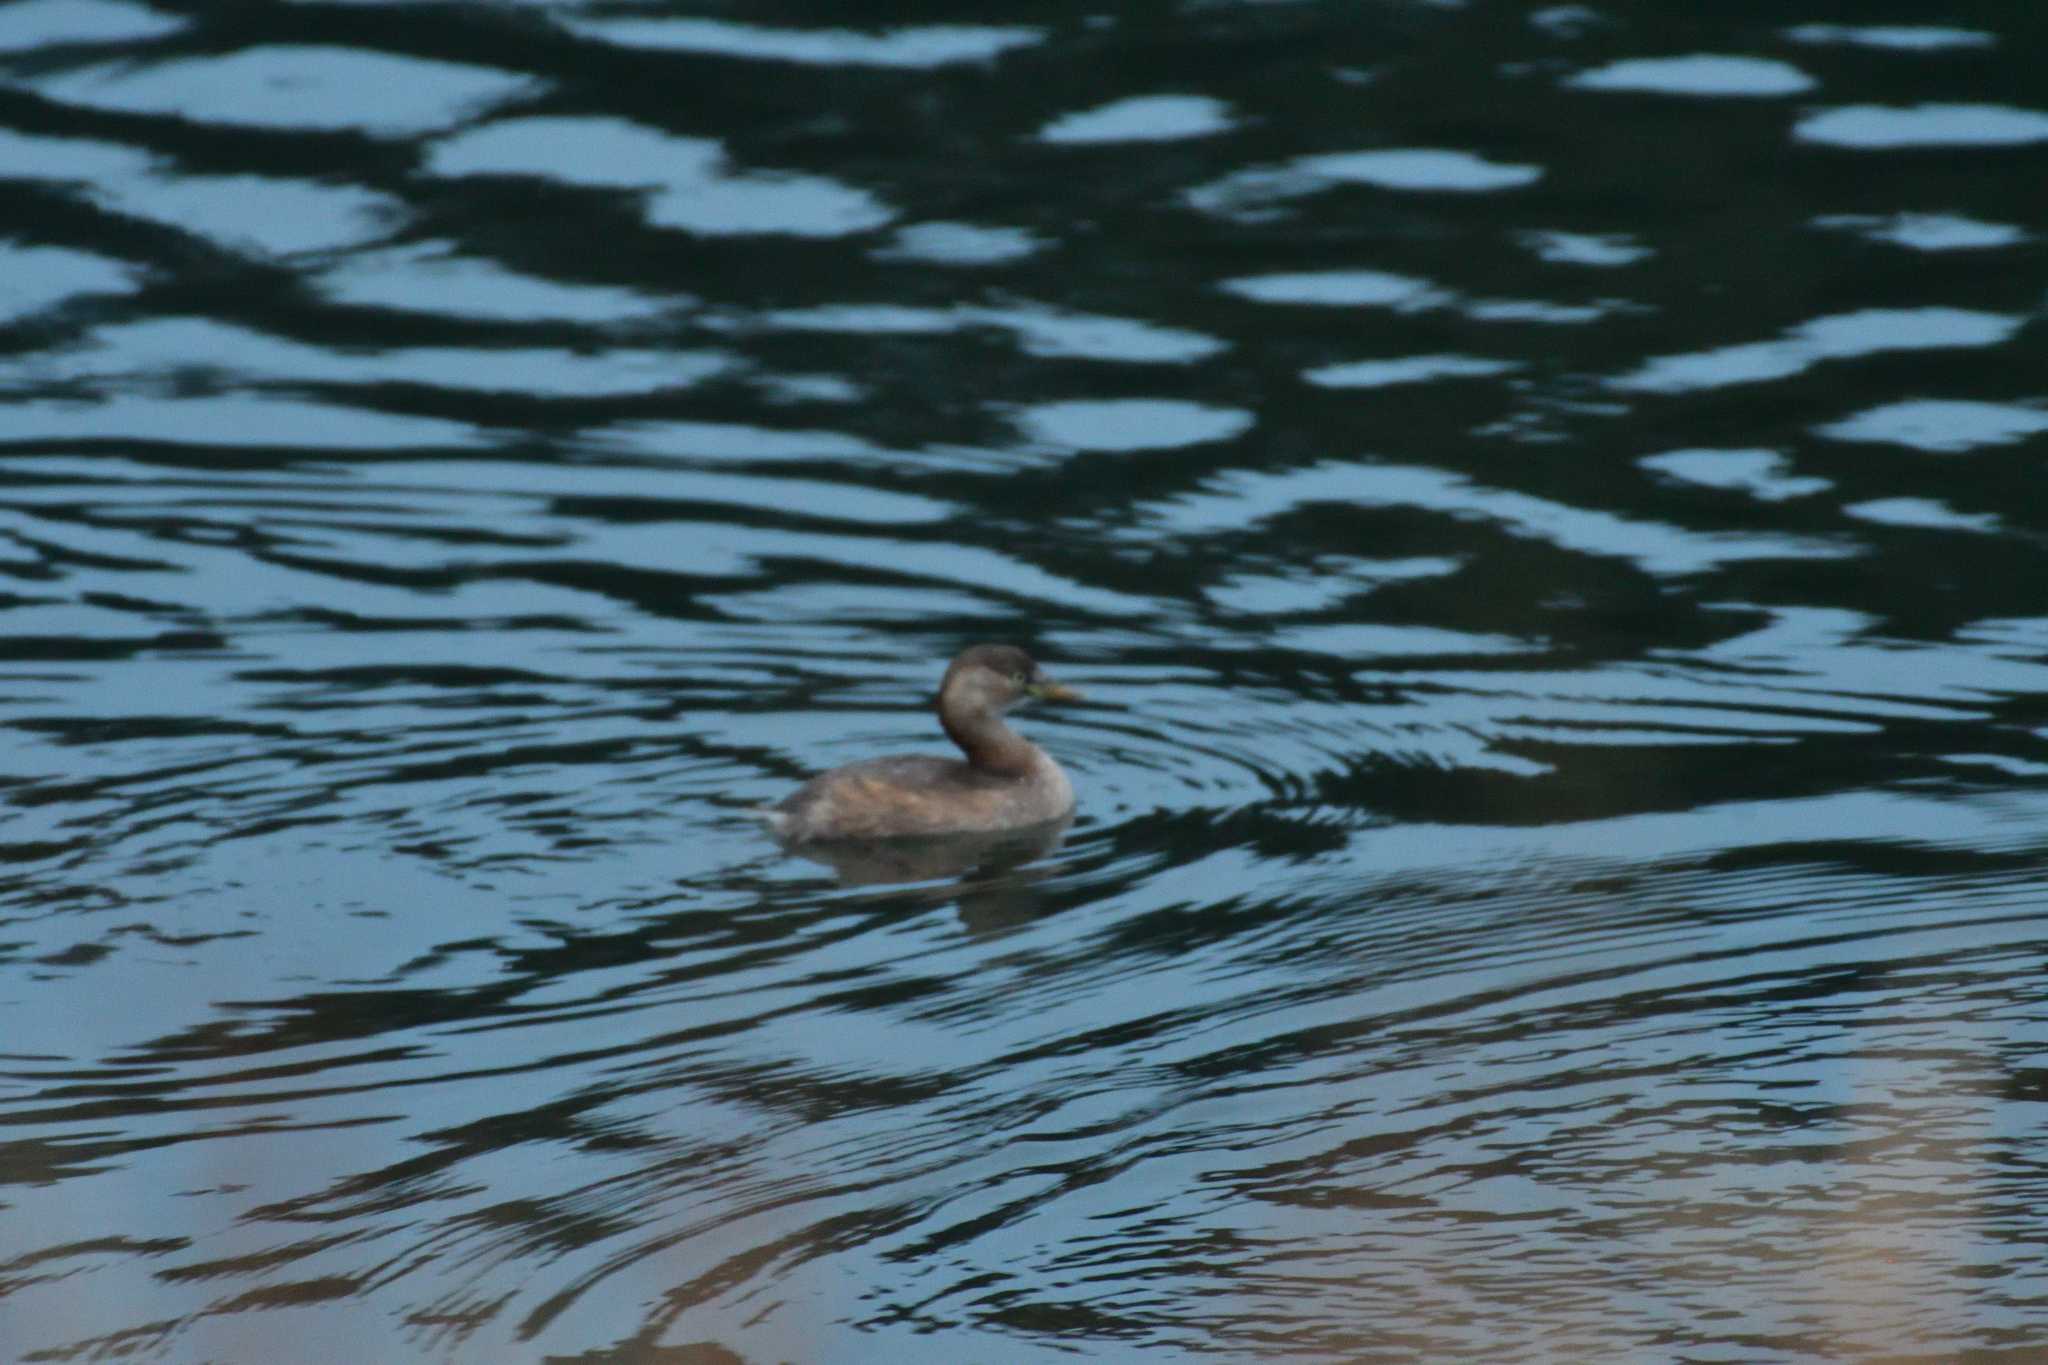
[(1549, 502)]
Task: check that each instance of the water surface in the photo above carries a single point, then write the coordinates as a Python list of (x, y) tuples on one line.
[(1545, 502)]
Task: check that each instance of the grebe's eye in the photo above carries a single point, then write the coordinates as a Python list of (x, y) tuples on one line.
[(1019, 679)]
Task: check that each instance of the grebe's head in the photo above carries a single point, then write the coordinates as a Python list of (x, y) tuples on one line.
[(995, 678)]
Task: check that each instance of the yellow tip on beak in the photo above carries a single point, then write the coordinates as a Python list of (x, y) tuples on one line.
[(1048, 690)]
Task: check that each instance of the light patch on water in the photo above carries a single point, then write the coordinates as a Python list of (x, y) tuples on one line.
[(1325, 584), (1242, 499), (1763, 474), (1869, 332), (240, 212), (542, 371), (651, 486), (1255, 195), (1939, 425), (1372, 640), (1402, 294), (1603, 249), (213, 517), (1926, 231), (296, 87), (1128, 424), (921, 47), (1882, 127), (807, 388), (1603, 729), (2022, 637), (1567, 21), (188, 346), (1054, 334), (1921, 512), (690, 179), (1537, 310), (75, 160), (1340, 289), (35, 278), (1839, 661), (849, 605), (1419, 369), (229, 419), (817, 499), (428, 277), (728, 550), (959, 244), (1701, 74), (1422, 168), (1142, 118), (235, 212), (34, 24), (2011, 767), (739, 441), (1894, 37), (1040, 331), (865, 319)]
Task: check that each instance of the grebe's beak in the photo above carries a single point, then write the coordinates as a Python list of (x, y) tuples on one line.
[(1045, 689)]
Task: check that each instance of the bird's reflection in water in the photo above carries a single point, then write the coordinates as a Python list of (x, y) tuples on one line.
[(992, 890)]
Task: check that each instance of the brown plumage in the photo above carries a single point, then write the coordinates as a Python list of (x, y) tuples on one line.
[(1003, 782)]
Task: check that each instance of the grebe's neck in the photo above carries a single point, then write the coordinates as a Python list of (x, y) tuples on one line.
[(990, 745)]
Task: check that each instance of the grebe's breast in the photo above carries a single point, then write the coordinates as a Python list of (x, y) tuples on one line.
[(916, 794)]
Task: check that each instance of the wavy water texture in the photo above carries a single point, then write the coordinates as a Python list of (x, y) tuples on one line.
[(1544, 508)]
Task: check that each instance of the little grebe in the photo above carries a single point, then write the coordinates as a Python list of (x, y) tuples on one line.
[(1005, 782)]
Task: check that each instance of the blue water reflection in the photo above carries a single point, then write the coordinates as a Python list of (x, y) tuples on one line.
[(1544, 507)]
